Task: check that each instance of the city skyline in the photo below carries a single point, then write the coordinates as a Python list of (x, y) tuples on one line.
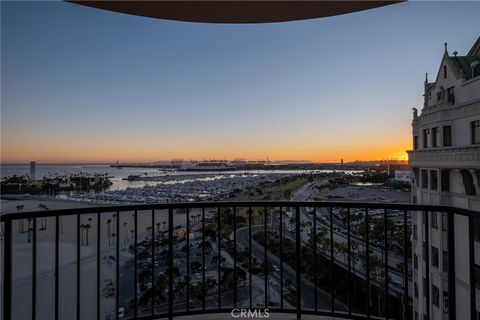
[(83, 85)]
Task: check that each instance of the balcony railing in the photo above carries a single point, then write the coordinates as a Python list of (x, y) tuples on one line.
[(341, 259)]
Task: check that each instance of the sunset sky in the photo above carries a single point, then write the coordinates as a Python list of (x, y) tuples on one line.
[(85, 85)]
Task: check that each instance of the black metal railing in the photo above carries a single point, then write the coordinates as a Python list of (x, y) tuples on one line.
[(342, 259)]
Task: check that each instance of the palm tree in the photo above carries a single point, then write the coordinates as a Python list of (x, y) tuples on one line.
[(164, 224), (20, 221), (132, 234), (210, 284), (29, 229), (44, 220), (342, 248), (113, 237), (29, 234), (176, 272), (207, 244), (126, 232), (87, 227), (160, 286), (61, 224), (109, 221), (114, 215), (198, 290), (195, 266), (82, 227), (149, 230)]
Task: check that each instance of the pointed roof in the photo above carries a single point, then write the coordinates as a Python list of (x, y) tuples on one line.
[(463, 64), (475, 50)]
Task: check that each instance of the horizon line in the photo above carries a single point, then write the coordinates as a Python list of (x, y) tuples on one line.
[(166, 161)]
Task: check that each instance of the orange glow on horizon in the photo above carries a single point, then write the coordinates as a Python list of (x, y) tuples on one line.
[(140, 154)]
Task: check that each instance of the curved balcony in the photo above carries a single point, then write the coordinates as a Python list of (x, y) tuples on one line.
[(335, 259)]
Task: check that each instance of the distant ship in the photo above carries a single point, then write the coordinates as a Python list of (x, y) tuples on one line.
[(207, 165), (132, 177)]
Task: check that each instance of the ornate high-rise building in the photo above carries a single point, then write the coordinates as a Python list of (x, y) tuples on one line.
[(445, 163)]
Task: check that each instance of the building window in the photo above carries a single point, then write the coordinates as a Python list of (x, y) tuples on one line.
[(433, 180), (435, 296), (476, 132), (424, 287), (416, 177), (415, 261), (476, 229), (444, 261), (415, 232), (445, 72), (447, 136), (477, 276), (424, 251), (435, 137), (445, 179), (415, 286), (426, 138), (434, 256), (450, 95), (444, 221), (434, 220), (425, 179), (415, 142), (468, 182)]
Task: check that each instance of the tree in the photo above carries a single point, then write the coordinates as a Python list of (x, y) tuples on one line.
[(176, 272), (149, 231), (87, 227), (20, 208), (195, 266), (29, 229), (232, 277), (210, 284), (126, 231), (108, 232), (198, 291), (207, 244), (44, 220), (378, 232), (160, 287), (82, 227), (114, 215), (218, 258), (210, 233)]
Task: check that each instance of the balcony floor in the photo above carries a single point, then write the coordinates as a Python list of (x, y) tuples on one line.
[(273, 316)]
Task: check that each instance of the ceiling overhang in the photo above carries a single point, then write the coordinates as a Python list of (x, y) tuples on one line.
[(235, 11)]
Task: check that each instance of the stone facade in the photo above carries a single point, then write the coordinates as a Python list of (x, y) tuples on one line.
[(445, 163)]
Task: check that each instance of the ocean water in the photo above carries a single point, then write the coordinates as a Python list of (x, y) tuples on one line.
[(118, 174), (50, 170)]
